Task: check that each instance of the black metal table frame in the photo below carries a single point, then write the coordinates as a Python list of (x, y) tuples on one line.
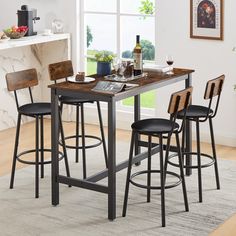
[(90, 182)]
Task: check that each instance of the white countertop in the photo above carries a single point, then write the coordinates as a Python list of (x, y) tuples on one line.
[(30, 40)]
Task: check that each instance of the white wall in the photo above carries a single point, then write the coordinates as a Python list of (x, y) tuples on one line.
[(47, 10), (209, 58)]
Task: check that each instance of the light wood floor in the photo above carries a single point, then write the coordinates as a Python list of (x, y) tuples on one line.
[(27, 141)]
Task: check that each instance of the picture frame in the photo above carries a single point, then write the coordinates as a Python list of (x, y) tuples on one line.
[(206, 19)]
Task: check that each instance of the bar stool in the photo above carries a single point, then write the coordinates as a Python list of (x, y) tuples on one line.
[(63, 70), (200, 114), (27, 79), (160, 128)]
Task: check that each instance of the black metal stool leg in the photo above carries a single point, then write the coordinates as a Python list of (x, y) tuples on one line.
[(214, 154), (37, 157), (102, 134), (149, 164), (162, 174), (77, 135), (182, 172), (83, 142), (128, 174), (64, 146), (183, 148), (42, 146), (15, 151), (167, 155), (199, 161)]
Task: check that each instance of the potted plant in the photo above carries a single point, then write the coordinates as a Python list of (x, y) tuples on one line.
[(104, 59)]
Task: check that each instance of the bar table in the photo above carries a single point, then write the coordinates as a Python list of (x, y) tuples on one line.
[(154, 80)]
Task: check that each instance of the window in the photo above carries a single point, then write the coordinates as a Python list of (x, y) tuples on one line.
[(112, 25)]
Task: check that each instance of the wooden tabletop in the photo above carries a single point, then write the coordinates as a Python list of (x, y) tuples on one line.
[(145, 84)]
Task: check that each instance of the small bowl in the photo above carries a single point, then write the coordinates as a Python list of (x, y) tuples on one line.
[(15, 35)]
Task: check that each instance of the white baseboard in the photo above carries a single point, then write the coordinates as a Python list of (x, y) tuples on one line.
[(219, 139)]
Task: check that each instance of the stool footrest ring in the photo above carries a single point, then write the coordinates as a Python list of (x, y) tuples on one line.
[(61, 156), (155, 187), (192, 166), (86, 137)]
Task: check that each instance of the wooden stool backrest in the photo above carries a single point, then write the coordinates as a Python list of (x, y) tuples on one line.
[(180, 100), (60, 70), (21, 79), (214, 87)]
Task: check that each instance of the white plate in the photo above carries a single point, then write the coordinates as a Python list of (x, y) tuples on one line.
[(4, 40), (85, 81)]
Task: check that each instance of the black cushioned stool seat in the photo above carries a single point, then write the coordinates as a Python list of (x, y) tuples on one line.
[(196, 111), (73, 101), (35, 109), (154, 126)]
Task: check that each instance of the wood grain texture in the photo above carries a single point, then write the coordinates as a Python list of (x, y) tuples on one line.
[(180, 100), (21, 79), (152, 79), (60, 70), (214, 87)]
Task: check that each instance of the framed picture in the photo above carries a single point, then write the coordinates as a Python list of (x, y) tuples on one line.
[(206, 19)]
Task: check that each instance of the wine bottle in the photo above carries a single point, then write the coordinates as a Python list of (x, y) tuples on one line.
[(137, 54)]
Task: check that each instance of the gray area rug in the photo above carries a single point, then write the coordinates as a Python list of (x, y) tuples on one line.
[(83, 212)]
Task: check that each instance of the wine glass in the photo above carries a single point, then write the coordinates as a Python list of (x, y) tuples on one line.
[(116, 64), (170, 61), (58, 26), (123, 67)]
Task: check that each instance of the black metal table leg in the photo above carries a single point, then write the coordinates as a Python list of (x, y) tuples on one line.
[(77, 135), (149, 167), (102, 133), (83, 142), (188, 133), (54, 143), (137, 148), (111, 160)]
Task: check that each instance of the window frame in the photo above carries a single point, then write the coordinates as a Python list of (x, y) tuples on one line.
[(82, 39)]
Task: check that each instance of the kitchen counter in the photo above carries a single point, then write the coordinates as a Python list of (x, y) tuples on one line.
[(29, 52), (31, 40)]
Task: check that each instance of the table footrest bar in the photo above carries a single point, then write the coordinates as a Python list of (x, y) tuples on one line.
[(145, 144), (82, 184), (103, 174)]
